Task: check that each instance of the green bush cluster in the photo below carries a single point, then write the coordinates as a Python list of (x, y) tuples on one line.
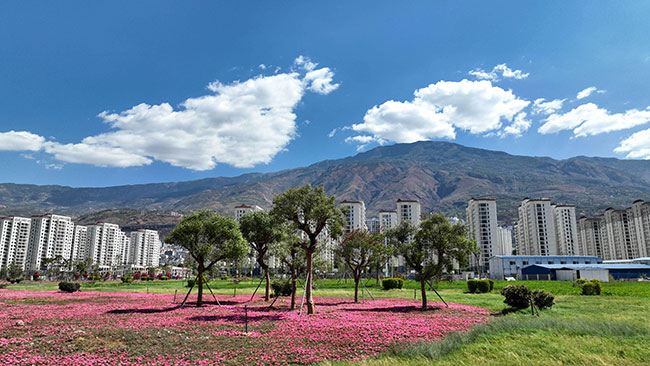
[(126, 279), (543, 299), (391, 283), (224, 278), (482, 286), (69, 286), (191, 282), (589, 288), (281, 288), (517, 296)]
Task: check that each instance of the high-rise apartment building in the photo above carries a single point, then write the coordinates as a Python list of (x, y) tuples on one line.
[(536, 228), (408, 210), (355, 215), (373, 225), (482, 226), (505, 240), (242, 210), (50, 236), (105, 244), (144, 248), (566, 230), (592, 238), (14, 239), (79, 242)]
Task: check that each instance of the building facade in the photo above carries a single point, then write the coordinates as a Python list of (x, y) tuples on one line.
[(355, 215), (482, 225)]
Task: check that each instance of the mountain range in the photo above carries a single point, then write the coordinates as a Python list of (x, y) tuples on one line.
[(443, 176)]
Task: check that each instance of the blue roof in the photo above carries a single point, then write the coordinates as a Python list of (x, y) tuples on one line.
[(592, 266)]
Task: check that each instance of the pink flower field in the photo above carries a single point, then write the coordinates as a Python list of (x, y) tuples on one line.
[(96, 328)]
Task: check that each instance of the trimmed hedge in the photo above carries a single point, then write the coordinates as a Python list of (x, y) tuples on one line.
[(543, 299), (482, 286), (281, 288), (126, 279), (391, 283), (517, 296), (69, 286)]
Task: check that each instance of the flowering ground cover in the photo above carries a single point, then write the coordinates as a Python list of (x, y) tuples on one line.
[(93, 328)]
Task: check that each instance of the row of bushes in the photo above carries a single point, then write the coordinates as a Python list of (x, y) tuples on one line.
[(481, 286), (520, 296)]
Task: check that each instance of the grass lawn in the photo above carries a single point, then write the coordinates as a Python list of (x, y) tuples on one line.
[(611, 329)]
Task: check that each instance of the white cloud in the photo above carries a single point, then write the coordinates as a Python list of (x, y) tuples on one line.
[(438, 109), (518, 127), (540, 106), (242, 124), (501, 70), (589, 119), (587, 92), (316, 80), (262, 66), (20, 141), (363, 141), (636, 146), (320, 81)]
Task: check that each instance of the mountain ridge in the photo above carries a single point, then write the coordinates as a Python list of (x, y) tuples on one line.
[(442, 175)]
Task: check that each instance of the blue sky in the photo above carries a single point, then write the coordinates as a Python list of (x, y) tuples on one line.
[(108, 93)]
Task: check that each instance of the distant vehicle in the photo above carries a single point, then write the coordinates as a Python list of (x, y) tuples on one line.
[(511, 279)]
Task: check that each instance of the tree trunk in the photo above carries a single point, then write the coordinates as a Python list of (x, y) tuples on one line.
[(199, 299), (357, 278), (294, 288), (308, 295), (424, 293), (378, 269), (267, 294)]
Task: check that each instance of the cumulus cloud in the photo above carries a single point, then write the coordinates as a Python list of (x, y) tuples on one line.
[(242, 124), (316, 80), (438, 109), (518, 126), (587, 92), (20, 141), (541, 106), (499, 71), (636, 146), (589, 119)]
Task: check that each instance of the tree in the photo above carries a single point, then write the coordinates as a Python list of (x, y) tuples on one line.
[(209, 238), (311, 212), (291, 254), (360, 249), (15, 273), (262, 232), (434, 248)]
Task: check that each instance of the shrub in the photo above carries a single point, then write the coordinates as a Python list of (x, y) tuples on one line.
[(281, 288), (517, 296), (191, 282), (491, 282), (391, 283), (127, 279), (591, 288), (69, 286), (224, 278), (483, 286), (36, 275), (144, 277), (543, 299), (579, 282), (164, 278), (136, 276), (472, 286)]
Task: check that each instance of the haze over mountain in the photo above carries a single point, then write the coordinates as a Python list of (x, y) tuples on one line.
[(441, 175)]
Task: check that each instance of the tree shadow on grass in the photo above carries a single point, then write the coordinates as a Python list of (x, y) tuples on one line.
[(189, 304), (398, 309), (237, 318)]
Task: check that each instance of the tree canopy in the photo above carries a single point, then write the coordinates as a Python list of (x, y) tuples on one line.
[(209, 238)]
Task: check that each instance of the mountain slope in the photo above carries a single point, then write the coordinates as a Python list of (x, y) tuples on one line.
[(443, 176)]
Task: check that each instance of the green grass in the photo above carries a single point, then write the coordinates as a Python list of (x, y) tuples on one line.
[(611, 329)]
